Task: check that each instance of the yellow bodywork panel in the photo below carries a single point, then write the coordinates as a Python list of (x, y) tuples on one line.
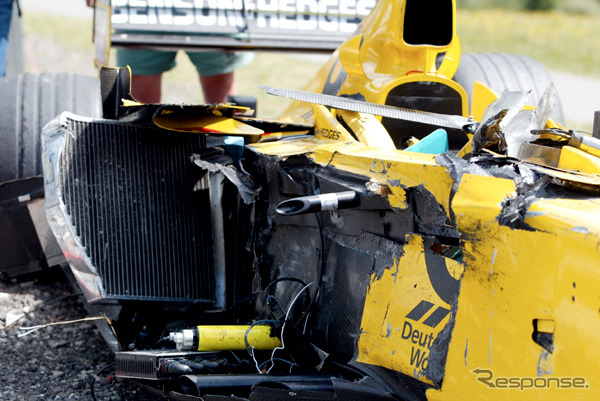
[(395, 168), (404, 315), (350, 56), (327, 127), (521, 317), (506, 286), (367, 129), (483, 96), (451, 60), (574, 159)]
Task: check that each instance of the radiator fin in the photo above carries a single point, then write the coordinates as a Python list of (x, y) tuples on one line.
[(130, 191)]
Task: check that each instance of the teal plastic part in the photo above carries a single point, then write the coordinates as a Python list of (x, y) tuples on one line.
[(235, 147), (433, 144)]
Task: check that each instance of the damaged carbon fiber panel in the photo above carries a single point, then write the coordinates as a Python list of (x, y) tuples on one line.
[(350, 254)]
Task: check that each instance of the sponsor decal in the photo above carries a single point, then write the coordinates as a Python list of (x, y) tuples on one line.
[(408, 316), (422, 340), (333, 16)]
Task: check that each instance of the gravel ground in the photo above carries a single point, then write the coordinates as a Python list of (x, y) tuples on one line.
[(57, 362)]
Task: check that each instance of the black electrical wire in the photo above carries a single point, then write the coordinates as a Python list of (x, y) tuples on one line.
[(239, 361), (272, 283), (276, 300), (110, 365), (296, 280), (277, 359), (316, 190), (307, 311), (250, 328)]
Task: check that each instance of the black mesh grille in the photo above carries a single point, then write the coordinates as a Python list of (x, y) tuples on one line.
[(131, 365), (130, 193)]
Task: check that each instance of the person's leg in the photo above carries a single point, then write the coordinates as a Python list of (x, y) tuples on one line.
[(146, 88), (5, 14), (147, 67), (216, 72), (217, 87)]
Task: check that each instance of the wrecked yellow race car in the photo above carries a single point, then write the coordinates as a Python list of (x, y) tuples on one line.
[(380, 241)]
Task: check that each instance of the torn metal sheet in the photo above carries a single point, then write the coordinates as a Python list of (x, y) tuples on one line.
[(518, 130), (528, 190), (588, 183), (484, 165), (507, 126), (242, 182), (489, 133), (538, 154)]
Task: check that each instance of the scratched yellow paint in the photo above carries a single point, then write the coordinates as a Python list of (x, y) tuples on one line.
[(232, 337), (396, 168), (388, 337), (508, 278), (513, 277), (483, 196)]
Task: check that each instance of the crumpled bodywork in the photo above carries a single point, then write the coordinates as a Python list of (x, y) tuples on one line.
[(469, 271), (440, 316)]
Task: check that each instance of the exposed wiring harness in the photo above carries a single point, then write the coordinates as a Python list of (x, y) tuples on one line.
[(272, 298), (250, 349), (287, 315)]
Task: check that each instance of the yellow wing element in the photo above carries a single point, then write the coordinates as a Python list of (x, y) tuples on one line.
[(204, 119), (327, 127), (367, 129)]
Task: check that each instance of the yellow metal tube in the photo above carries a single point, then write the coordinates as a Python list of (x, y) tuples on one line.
[(222, 338)]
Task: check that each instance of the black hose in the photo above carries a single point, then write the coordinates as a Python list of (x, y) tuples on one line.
[(198, 385)]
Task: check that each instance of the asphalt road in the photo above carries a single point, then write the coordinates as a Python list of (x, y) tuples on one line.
[(580, 98)]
